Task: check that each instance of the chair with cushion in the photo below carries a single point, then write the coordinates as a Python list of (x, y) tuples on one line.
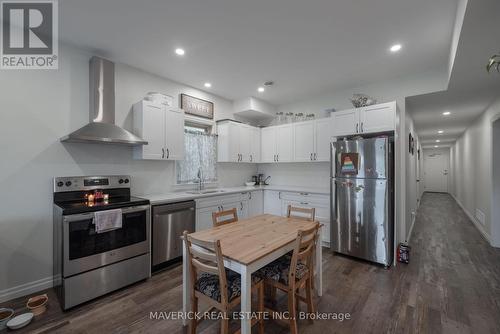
[(215, 285), (220, 218), (293, 272), (301, 213)]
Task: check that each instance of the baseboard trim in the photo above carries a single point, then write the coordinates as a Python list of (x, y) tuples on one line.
[(408, 237), (478, 226), (26, 289)]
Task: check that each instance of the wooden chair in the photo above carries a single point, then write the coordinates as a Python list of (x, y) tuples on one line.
[(304, 213), (232, 214), (291, 273), (215, 285)]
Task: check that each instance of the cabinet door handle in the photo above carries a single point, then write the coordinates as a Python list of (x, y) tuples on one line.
[(311, 157), (315, 156), (168, 153), (251, 158), (222, 208), (250, 195), (277, 157), (241, 203), (357, 127), (362, 127), (163, 153)]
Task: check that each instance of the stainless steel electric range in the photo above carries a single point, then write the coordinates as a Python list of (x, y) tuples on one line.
[(89, 263)]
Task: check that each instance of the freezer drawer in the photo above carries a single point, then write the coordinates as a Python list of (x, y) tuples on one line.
[(362, 226), (169, 222)]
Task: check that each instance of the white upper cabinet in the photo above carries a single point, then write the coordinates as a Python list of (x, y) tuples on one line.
[(268, 144), (254, 144), (371, 119), (304, 138), (174, 146), (323, 137), (345, 122), (235, 142), (378, 118), (312, 140), (162, 127), (284, 143)]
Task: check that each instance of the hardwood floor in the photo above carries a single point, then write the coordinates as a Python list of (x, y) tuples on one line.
[(452, 285)]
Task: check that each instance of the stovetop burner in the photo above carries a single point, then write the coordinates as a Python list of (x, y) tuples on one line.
[(72, 194)]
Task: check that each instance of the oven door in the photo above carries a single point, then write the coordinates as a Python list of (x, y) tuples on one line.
[(84, 249)]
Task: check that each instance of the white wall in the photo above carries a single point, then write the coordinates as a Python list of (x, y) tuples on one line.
[(471, 169), (39, 107)]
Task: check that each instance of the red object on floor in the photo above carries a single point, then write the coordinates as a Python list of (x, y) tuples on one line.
[(404, 253)]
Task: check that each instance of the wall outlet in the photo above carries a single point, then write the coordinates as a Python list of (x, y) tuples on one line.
[(480, 216)]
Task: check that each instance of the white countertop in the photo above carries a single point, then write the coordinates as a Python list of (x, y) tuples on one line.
[(183, 195)]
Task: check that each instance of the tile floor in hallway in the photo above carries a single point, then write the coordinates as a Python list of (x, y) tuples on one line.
[(452, 285)]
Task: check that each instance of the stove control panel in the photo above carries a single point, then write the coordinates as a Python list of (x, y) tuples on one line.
[(83, 183)]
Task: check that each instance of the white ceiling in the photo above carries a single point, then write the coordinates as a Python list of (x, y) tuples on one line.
[(471, 88), (306, 47)]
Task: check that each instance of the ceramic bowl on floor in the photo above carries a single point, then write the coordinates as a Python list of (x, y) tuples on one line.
[(20, 321), (5, 316), (37, 304)]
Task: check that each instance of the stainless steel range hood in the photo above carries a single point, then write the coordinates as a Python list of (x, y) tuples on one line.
[(102, 128)]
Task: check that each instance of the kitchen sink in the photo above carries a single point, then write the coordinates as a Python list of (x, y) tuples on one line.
[(208, 191)]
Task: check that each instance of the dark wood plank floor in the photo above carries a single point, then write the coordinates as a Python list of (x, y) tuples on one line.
[(452, 285)]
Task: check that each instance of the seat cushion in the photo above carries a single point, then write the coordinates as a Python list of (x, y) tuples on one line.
[(209, 285), (278, 270)]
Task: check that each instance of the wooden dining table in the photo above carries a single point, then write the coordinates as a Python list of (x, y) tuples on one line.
[(247, 246)]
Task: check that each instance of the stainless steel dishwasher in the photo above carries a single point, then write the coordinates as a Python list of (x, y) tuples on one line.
[(168, 223)]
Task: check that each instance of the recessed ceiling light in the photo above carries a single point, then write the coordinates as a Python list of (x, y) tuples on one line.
[(436, 146), (180, 51), (395, 48), (261, 89), (208, 84), (446, 113), (438, 141), (440, 131)]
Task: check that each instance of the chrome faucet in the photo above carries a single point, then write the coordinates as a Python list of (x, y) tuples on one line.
[(201, 186)]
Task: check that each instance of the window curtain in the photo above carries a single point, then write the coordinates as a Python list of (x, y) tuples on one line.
[(200, 152)]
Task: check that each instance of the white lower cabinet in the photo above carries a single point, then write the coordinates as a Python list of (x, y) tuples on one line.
[(256, 203), (272, 202), (204, 217)]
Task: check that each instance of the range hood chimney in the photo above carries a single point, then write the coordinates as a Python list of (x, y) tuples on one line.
[(102, 128)]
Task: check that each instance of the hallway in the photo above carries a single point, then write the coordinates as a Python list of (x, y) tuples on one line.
[(454, 274)]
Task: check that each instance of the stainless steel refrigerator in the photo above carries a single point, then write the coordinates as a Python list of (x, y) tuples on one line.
[(362, 194)]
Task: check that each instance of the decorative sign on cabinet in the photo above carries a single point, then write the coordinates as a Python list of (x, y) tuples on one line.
[(163, 127), (197, 107)]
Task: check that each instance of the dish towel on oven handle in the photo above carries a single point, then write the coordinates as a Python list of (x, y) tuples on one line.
[(107, 220)]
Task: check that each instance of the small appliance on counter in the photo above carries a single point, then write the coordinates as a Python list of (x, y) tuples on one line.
[(101, 237), (260, 180)]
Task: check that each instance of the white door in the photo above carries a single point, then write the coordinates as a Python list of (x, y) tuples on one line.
[(436, 172), (256, 203), (204, 218), (244, 139), (268, 145), (378, 118), (323, 134), (174, 134), (153, 130), (284, 143), (345, 122), (304, 141), (254, 144)]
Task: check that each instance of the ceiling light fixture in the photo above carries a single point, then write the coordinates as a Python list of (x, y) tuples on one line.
[(208, 84), (436, 146), (180, 51), (261, 89), (438, 141), (446, 113), (440, 131), (395, 48)]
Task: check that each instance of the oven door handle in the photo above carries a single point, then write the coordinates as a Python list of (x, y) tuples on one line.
[(84, 216)]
